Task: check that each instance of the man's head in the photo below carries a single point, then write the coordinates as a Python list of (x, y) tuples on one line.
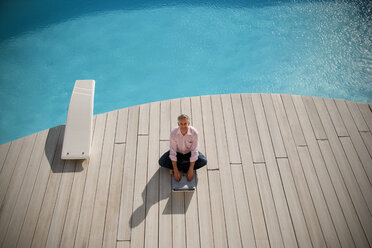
[(183, 123)]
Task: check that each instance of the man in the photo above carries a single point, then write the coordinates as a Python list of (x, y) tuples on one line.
[(183, 154)]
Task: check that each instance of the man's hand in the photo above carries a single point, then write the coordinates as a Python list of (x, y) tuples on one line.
[(190, 174), (177, 175)]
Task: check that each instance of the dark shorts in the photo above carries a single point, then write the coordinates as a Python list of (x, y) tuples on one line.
[(183, 163)]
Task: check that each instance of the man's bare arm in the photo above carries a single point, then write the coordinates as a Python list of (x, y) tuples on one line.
[(174, 164), (176, 173), (192, 165), (190, 172)]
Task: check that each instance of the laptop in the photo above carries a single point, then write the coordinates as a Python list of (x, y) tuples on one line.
[(184, 185)]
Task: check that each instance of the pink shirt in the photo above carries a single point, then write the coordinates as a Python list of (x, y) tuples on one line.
[(184, 144)]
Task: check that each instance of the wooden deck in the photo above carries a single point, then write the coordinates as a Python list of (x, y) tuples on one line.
[(283, 171)]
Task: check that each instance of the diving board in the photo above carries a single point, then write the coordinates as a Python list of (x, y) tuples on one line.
[(79, 124)]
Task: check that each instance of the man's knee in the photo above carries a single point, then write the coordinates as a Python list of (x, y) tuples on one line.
[(161, 162), (164, 160), (202, 158), (203, 161)]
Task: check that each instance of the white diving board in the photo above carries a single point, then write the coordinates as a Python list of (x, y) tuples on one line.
[(79, 124)]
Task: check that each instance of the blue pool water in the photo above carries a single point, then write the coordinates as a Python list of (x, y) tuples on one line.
[(140, 52)]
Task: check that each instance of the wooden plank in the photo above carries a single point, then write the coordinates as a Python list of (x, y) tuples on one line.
[(9, 166), (209, 136), (197, 121), (191, 201), (178, 200), (178, 220), (73, 209), (298, 219), (314, 117), (152, 187), (304, 195), (126, 206), (336, 118), (293, 120), (257, 153), (367, 138), (165, 118), (231, 217), (218, 220), (330, 197), (362, 179), (15, 184), (192, 221), (100, 203), (4, 148), (204, 207), (361, 149), (276, 136), (165, 193), (174, 113), (121, 130), (80, 183), (113, 203), (367, 114), (357, 116), (350, 214), (245, 220), (186, 107), (139, 209), (255, 205), (50, 197), (165, 122), (241, 130), (143, 128), (36, 200), (165, 203), (325, 220), (232, 140), (272, 223), (220, 132), (282, 210), (87, 205), (60, 211)]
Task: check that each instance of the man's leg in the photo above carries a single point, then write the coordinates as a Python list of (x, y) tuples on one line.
[(202, 161), (165, 161)]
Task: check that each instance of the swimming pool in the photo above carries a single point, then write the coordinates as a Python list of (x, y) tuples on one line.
[(140, 52)]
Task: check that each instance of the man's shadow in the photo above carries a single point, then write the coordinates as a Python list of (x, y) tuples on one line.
[(158, 188)]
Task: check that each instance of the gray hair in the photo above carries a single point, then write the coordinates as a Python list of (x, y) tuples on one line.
[(182, 116)]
